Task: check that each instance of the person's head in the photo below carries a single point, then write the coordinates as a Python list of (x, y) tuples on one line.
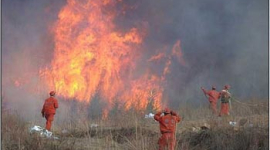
[(213, 87), (227, 87), (167, 111), (52, 93)]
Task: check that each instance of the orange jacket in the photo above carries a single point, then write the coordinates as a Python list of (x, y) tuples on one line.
[(213, 95), (167, 123), (50, 106)]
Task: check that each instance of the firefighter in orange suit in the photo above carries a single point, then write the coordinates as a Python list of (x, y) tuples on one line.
[(167, 124), (49, 109), (225, 101), (213, 97)]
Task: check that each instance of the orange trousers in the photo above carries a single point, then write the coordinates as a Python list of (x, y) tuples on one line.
[(213, 106), (224, 109), (167, 140), (49, 120)]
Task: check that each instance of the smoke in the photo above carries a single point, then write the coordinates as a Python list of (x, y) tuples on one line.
[(223, 42), (27, 47)]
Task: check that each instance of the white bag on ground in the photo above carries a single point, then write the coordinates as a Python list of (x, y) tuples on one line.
[(42, 132)]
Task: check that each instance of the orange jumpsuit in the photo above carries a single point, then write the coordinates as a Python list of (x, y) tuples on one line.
[(48, 111), (213, 97), (167, 124), (225, 97)]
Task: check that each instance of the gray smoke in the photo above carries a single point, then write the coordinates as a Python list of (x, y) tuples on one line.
[(27, 47), (223, 42)]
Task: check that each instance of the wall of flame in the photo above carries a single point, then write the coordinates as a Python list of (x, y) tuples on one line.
[(92, 56)]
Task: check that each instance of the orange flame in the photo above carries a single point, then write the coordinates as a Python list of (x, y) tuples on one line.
[(91, 56), (178, 52), (157, 57)]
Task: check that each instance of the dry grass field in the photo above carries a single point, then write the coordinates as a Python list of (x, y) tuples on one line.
[(198, 130)]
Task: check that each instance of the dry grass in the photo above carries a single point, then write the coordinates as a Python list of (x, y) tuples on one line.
[(130, 131), (225, 138)]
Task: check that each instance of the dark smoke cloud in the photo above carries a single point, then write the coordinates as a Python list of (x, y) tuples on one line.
[(223, 42)]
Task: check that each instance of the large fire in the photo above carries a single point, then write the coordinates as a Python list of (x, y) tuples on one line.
[(92, 57)]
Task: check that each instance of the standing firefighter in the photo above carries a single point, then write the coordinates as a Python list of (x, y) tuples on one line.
[(225, 101), (213, 97), (49, 109), (167, 124)]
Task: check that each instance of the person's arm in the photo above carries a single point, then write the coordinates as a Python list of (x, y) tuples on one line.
[(158, 116), (42, 111), (178, 118), (204, 91), (55, 104), (229, 94)]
